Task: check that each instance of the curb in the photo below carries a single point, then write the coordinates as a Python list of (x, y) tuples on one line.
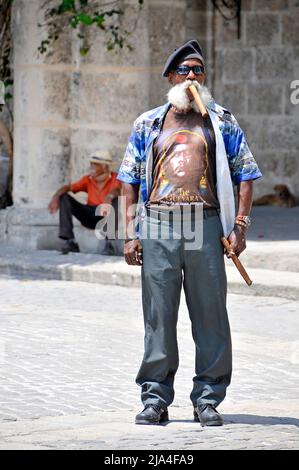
[(114, 271)]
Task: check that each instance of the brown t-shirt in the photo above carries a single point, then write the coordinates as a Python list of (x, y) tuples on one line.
[(184, 168)]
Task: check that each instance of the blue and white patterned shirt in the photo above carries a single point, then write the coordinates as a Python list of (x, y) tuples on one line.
[(136, 166)]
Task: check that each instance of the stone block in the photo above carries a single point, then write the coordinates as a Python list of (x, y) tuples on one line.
[(290, 166), (112, 98), (56, 95), (159, 87), (37, 229), (215, 71), (61, 50), (296, 62), (275, 63), (235, 65), (85, 141), (3, 233), (27, 36), (290, 23), (39, 237), (166, 31), (23, 79), (273, 5), (276, 133), (135, 22), (278, 168), (196, 24), (25, 18), (262, 29), (30, 216), (41, 95), (247, 5), (55, 157), (265, 99), (226, 32), (289, 107), (21, 171), (232, 97), (26, 13), (202, 5)]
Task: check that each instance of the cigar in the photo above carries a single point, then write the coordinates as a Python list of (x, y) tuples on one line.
[(236, 261), (198, 101)]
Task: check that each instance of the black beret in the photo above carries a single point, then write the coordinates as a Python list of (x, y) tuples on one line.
[(189, 50)]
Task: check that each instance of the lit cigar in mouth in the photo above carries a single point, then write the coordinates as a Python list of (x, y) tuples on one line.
[(198, 101)]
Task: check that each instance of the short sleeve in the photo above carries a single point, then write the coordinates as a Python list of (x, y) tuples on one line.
[(129, 171), (242, 164), (115, 184), (80, 185)]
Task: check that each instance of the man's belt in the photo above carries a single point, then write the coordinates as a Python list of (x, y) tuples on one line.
[(163, 212)]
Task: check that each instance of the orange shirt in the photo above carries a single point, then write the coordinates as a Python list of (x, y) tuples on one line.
[(90, 186)]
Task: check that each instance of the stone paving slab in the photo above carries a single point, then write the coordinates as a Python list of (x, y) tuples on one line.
[(103, 431), (70, 351)]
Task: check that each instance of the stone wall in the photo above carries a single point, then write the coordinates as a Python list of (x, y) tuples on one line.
[(253, 77)]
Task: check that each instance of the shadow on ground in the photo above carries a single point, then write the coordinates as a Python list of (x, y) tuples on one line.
[(249, 419), (274, 224)]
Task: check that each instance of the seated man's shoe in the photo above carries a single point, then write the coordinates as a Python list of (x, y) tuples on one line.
[(207, 415), (70, 246), (152, 414), (108, 249)]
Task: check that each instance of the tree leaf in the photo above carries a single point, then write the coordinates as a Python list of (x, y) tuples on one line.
[(67, 5), (84, 51), (85, 19)]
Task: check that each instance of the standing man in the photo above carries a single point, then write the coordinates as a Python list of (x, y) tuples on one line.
[(101, 186), (215, 151)]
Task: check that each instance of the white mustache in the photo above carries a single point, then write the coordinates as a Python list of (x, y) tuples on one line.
[(178, 97)]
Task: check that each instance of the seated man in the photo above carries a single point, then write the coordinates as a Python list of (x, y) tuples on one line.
[(101, 186)]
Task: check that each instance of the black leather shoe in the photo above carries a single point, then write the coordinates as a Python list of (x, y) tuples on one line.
[(207, 415), (70, 246), (152, 414)]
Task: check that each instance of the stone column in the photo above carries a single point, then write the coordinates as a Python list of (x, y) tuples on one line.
[(66, 106)]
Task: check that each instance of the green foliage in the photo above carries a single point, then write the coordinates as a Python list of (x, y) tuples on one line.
[(82, 14)]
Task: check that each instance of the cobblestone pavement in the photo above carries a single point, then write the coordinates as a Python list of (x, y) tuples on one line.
[(69, 353)]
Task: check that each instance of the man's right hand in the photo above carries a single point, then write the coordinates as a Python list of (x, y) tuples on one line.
[(133, 252), (54, 205)]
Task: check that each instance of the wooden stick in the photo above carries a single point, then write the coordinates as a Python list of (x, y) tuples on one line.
[(198, 101), (236, 261)]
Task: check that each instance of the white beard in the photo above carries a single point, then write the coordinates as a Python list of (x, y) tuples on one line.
[(177, 96)]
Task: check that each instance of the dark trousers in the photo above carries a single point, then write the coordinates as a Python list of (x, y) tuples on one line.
[(167, 267), (69, 206)]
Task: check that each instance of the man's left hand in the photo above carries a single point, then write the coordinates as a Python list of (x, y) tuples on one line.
[(237, 240)]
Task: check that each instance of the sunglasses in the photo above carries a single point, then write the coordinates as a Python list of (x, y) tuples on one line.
[(185, 70)]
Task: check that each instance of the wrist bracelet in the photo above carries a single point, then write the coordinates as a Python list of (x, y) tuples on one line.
[(244, 218), (240, 223)]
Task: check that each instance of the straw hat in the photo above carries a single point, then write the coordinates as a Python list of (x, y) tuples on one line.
[(101, 156)]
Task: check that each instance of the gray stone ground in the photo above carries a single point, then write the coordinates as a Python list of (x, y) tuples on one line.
[(69, 353)]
